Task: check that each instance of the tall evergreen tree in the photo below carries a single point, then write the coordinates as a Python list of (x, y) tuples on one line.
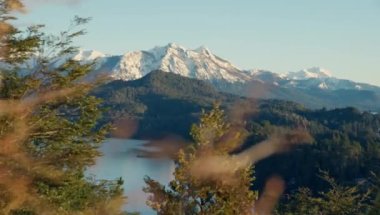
[(49, 130), (189, 194)]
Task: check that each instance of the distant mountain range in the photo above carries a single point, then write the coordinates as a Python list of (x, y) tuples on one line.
[(315, 87)]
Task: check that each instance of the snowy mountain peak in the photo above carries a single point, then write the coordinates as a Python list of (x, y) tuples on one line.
[(88, 55), (314, 72), (198, 63), (320, 71), (175, 46), (203, 50)]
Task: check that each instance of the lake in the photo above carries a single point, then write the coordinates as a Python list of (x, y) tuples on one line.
[(120, 160)]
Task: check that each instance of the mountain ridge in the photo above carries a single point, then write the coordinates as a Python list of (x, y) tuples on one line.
[(201, 63), (315, 87)]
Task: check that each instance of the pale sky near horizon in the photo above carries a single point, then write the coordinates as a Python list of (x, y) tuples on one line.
[(342, 36)]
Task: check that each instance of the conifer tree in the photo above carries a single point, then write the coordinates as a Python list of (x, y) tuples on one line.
[(49, 131), (188, 194), (337, 200)]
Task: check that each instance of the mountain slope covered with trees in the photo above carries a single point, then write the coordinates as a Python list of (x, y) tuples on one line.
[(346, 141)]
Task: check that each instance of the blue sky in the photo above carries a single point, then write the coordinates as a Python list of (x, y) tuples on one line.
[(279, 35)]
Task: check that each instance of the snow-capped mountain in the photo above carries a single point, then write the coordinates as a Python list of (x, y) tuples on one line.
[(198, 63), (323, 79), (202, 64)]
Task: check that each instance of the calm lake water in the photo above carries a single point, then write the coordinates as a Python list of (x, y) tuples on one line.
[(120, 160)]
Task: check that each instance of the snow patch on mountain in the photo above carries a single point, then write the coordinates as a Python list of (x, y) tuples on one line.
[(323, 86), (358, 87), (86, 55), (314, 72)]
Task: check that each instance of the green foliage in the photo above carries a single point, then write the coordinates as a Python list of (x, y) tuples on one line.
[(338, 200), (76, 194), (346, 145), (375, 200), (162, 102), (211, 128), (375, 209), (187, 194), (56, 125), (22, 212)]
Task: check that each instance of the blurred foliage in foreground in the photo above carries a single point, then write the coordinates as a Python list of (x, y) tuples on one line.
[(47, 125)]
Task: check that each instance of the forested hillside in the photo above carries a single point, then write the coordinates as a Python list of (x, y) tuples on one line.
[(346, 144), (346, 141), (163, 103)]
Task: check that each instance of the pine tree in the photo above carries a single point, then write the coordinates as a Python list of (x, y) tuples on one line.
[(49, 132), (375, 208), (337, 200), (189, 194), (375, 188)]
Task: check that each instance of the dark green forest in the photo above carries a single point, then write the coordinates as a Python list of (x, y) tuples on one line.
[(346, 141)]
